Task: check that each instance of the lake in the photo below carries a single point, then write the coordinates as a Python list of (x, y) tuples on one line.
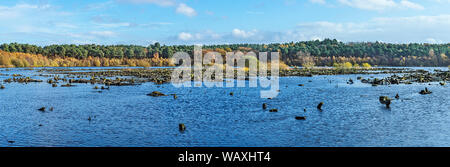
[(126, 117)]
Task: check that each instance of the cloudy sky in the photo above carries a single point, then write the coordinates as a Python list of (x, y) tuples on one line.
[(143, 22)]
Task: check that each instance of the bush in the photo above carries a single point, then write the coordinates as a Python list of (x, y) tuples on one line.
[(97, 63), (143, 63), (366, 65), (5, 60), (343, 65), (17, 63)]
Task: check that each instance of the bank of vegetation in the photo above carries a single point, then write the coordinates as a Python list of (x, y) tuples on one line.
[(16, 59), (306, 53)]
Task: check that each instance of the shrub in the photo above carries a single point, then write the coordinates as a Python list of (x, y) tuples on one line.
[(343, 65), (17, 62), (366, 65), (97, 63)]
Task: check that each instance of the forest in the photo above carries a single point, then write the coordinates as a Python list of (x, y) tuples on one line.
[(327, 52)]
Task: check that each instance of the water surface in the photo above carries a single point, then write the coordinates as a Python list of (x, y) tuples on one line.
[(125, 116)]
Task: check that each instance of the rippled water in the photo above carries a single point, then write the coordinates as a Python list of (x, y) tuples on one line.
[(125, 116)]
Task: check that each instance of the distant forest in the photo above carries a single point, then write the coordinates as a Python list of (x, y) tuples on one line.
[(316, 53)]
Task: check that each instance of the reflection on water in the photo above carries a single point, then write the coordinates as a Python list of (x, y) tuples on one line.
[(125, 116)]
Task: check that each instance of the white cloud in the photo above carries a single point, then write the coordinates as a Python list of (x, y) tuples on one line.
[(153, 25), (434, 41), (31, 18), (114, 25), (411, 5), (181, 8), (29, 6), (314, 38), (88, 37), (420, 29), (104, 34), (66, 25), (381, 4), (101, 5), (212, 35), (157, 2), (318, 1), (185, 36), (441, 1), (243, 34), (394, 29), (204, 36), (185, 10), (422, 21), (20, 9), (369, 4), (106, 21)]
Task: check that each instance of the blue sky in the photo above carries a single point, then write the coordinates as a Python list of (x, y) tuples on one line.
[(143, 22)]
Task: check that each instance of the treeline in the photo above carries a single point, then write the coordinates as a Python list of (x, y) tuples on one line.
[(101, 51), (329, 52), (17, 59), (318, 53)]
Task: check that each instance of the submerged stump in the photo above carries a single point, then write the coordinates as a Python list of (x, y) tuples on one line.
[(425, 91), (42, 109), (320, 106), (67, 85), (156, 94), (300, 118), (385, 100), (181, 127)]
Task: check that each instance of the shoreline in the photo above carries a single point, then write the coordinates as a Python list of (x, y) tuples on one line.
[(132, 76)]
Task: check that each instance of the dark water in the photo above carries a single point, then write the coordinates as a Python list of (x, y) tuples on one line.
[(125, 116)]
